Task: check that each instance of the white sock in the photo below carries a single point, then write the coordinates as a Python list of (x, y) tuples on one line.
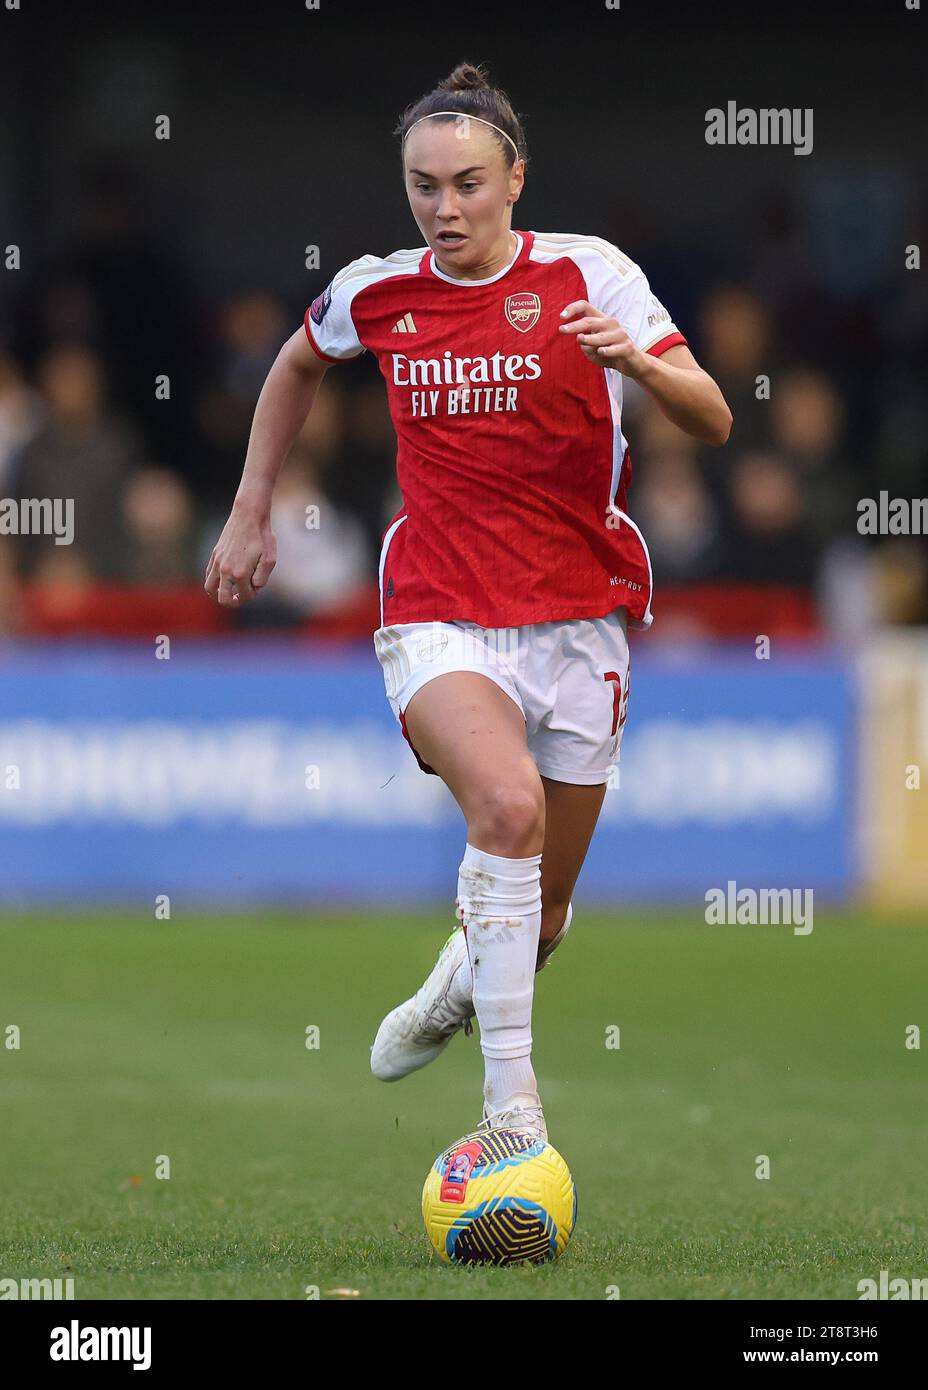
[(513, 1077), (462, 986), (500, 904)]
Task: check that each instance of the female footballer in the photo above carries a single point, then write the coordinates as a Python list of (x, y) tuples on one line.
[(512, 570)]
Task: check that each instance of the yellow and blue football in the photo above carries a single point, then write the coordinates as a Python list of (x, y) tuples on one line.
[(499, 1197)]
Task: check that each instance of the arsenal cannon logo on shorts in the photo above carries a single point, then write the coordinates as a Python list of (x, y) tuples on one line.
[(523, 310)]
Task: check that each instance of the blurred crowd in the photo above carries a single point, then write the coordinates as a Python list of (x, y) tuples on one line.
[(825, 385)]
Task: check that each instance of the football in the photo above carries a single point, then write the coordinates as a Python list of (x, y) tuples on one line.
[(498, 1198)]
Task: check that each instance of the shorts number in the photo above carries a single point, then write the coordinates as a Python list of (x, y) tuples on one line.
[(619, 698)]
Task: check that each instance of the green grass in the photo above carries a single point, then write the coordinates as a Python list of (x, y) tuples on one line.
[(292, 1167)]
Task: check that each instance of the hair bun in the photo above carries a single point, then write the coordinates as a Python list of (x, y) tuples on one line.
[(468, 91), (466, 78)]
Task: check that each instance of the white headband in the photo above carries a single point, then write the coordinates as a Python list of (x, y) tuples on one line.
[(465, 115)]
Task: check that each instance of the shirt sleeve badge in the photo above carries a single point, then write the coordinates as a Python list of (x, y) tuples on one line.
[(320, 306)]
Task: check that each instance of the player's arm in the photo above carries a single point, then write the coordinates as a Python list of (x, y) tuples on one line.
[(246, 552), (685, 393)]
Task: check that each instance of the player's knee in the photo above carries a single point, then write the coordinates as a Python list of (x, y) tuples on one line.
[(509, 821)]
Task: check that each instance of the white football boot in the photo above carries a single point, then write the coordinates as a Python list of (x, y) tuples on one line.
[(414, 1033), (521, 1112)]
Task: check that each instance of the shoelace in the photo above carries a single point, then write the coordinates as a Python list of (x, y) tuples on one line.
[(516, 1119), (441, 1019)]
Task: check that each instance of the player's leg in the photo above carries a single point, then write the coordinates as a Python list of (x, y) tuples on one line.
[(575, 742), (415, 1032), (571, 813), (419, 1030), (464, 726), (473, 734), (574, 745)]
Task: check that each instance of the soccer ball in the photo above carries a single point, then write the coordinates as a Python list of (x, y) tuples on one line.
[(499, 1197)]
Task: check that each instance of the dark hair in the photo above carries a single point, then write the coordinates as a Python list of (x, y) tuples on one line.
[(468, 91)]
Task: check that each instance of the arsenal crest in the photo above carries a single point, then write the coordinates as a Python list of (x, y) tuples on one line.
[(523, 310)]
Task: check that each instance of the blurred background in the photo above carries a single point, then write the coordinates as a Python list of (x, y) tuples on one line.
[(127, 763)]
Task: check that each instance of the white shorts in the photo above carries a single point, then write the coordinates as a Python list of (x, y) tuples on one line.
[(569, 680)]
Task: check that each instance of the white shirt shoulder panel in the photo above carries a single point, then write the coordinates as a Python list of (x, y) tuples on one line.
[(329, 319), (616, 285)]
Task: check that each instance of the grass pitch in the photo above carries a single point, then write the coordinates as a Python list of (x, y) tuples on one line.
[(291, 1168)]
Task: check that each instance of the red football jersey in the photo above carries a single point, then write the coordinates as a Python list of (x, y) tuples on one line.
[(511, 461)]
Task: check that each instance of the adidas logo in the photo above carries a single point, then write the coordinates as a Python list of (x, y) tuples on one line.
[(390, 589), (406, 324)]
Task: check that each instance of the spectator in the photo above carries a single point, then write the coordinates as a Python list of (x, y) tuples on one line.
[(158, 513), (11, 613), (81, 452), (360, 476), (679, 519), (807, 420), (321, 550), (768, 540), (22, 414), (252, 328), (119, 287), (737, 350)]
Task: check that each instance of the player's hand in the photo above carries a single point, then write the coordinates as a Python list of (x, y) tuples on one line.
[(242, 560), (602, 340)]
